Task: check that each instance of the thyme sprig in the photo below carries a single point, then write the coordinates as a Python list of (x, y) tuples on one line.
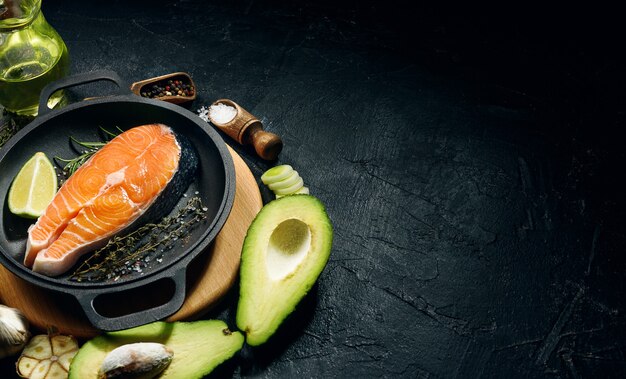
[(133, 252), (72, 164)]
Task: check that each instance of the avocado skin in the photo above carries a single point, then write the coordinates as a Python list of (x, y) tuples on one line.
[(264, 304), (198, 347)]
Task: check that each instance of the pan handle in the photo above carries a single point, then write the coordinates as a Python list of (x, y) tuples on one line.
[(79, 79), (86, 300)]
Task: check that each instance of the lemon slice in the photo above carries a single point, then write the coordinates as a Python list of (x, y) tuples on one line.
[(33, 188)]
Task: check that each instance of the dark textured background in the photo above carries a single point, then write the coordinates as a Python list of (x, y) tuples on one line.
[(469, 158)]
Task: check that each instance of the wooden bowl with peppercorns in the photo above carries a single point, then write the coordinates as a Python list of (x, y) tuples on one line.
[(176, 88)]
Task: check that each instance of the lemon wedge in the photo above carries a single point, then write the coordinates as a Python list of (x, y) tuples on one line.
[(33, 188)]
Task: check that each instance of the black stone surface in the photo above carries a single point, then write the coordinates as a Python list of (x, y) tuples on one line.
[(469, 158)]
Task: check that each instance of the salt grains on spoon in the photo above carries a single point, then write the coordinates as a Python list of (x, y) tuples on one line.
[(222, 113)]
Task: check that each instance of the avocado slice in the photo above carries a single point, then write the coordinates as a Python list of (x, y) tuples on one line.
[(285, 250), (198, 347)]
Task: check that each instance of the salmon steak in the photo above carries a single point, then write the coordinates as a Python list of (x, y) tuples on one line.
[(135, 178)]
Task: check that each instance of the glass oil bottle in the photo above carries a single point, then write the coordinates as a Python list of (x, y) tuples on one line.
[(32, 54)]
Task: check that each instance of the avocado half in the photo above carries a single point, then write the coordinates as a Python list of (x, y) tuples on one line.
[(284, 252), (198, 347)]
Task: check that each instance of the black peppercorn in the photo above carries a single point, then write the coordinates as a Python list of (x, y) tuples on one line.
[(169, 87)]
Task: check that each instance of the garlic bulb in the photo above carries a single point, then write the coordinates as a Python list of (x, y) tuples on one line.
[(13, 331), (47, 356)]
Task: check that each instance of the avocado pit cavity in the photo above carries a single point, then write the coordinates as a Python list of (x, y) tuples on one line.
[(288, 246)]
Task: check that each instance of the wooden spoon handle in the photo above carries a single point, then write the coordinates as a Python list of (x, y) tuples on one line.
[(248, 130), (266, 144)]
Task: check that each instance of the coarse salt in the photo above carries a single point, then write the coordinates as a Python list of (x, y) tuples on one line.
[(203, 112), (222, 113)]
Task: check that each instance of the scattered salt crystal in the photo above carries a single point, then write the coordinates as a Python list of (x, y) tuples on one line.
[(205, 209), (196, 192), (221, 113), (203, 112)]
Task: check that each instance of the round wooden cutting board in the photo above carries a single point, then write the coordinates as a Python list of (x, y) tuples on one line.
[(209, 277)]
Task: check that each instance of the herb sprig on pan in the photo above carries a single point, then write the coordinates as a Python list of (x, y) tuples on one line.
[(133, 252), (72, 164)]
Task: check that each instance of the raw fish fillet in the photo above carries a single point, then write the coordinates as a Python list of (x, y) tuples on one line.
[(135, 178)]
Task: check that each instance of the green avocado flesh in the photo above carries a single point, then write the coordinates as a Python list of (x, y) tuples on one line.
[(198, 347), (285, 250)]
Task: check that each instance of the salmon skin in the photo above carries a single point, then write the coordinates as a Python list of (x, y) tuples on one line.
[(137, 177)]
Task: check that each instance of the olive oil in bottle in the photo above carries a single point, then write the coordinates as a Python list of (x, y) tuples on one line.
[(32, 54)]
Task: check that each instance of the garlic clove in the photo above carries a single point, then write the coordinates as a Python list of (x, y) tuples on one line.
[(13, 331), (26, 365), (62, 344), (66, 359), (56, 371), (41, 370), (39, 348)]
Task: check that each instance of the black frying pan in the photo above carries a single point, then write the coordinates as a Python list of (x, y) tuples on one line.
[(50, 132)]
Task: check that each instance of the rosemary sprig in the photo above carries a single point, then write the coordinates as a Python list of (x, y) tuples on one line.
[(132, 252), (71, 165)]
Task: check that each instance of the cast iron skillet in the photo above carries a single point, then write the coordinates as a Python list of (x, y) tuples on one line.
[(50, 132)]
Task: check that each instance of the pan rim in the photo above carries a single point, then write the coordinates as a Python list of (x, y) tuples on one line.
[(190, 253)]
